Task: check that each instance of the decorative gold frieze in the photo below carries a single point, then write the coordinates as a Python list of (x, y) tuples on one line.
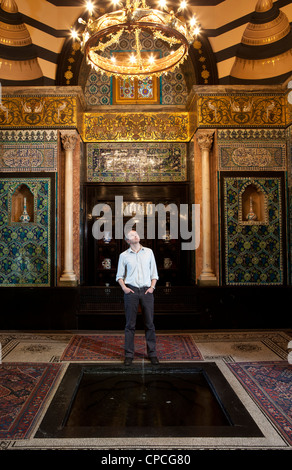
[(241, 110), (288, 98), (137, 127), (38, 111), (204, 110)]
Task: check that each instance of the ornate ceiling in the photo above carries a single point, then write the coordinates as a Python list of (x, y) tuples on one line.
[(246, 41)]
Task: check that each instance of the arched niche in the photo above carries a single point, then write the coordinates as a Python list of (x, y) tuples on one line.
[(252, 205), (22, 201)]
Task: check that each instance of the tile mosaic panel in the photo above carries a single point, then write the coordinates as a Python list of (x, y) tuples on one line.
[(251, 135), (28, 135), (28, 150), (99, 89), (173, 89), (252, 149), (258, 156), (253, 251), (113, 162), (25, 248)]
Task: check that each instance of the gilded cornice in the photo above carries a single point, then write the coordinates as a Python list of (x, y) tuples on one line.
[(49, 107), (208, 106), (288, 98), (38, 111), (242, 110)]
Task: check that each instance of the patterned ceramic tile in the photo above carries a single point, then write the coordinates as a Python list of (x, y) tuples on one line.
[(136, 162), (25, 248), (28, 150), (253, 251)]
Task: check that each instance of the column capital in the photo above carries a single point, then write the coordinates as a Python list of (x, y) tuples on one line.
[(69, 138), (205, 139)]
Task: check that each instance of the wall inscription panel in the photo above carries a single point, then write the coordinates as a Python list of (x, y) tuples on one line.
[(113, 162), (252, 149), (28, 150)]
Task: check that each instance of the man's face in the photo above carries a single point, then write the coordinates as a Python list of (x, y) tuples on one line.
[(133, 237)]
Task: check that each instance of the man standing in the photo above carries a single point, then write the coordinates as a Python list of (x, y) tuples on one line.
[(137, 276)]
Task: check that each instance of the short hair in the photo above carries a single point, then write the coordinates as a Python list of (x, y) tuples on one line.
[(127, 234)]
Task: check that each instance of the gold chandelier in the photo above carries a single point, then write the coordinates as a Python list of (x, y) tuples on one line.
[(102, 33)]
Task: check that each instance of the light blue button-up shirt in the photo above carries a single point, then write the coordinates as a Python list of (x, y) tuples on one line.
[(137, 269)]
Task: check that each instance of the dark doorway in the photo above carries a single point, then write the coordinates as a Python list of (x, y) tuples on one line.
[(101, 256)]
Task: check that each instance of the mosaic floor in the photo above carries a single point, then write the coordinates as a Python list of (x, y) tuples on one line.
[(246, 359)]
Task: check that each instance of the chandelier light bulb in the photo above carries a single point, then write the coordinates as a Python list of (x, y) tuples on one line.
[(162, 4), (193, 21), (183, 5), (74, 34), (89, 7)]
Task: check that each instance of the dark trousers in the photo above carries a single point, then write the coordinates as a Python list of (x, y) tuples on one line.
[(131, 302)]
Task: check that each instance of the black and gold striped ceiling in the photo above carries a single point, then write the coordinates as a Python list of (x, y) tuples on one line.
[(242, 41)]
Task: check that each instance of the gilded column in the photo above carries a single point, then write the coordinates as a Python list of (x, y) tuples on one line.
[(69, 139), (207, 276)]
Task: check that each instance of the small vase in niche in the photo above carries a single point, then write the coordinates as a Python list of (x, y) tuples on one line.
[(167, 236), (251, 215), (24, 218), (107, 237)]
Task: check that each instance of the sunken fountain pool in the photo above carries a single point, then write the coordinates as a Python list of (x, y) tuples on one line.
[(171, 400)]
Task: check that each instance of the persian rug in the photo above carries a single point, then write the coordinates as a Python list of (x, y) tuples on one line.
[(24, 388), (111, 348), (270, 385)]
